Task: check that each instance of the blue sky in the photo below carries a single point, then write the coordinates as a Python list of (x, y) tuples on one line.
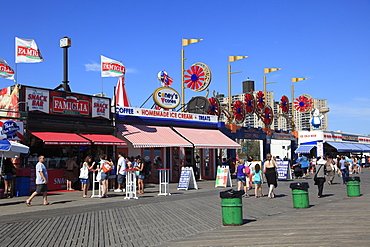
[(325, 41)]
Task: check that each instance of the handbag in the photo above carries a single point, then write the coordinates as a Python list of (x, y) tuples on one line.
[(106, 168), (98, 176), (84, 173)]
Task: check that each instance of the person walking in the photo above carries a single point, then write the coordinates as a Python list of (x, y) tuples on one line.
[(304, 163), (41, 182), (86, 182), (320, 176), (270, 167), (241, 177), (330, 168), (121, 174), (258, 181), (9, 172), (344, 168)]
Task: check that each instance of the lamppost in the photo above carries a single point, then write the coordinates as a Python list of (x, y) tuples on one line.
[(266, 71), (292, 95), (185, 42), (231, 59), (65, 43)]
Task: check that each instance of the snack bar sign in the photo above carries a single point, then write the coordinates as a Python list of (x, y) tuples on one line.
[(37, 99), (100, 107)]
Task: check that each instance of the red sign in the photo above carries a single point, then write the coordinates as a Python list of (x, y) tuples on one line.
[(27, 51), (70, 105)]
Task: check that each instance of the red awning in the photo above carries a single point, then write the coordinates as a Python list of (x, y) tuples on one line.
[(207, 138), (142, 136), (55, 138), (98, 139)]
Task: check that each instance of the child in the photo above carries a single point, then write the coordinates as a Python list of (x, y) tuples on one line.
[(257, 180)]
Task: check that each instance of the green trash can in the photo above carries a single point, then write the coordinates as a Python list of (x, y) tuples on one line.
[(300, 195), (232, 207), (353, 186)]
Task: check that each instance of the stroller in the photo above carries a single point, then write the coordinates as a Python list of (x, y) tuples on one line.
[(297, 170)]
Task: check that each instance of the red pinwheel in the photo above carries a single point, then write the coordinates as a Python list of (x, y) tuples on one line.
[(303, 103), (249, 103), (260, 101), (284, 104), (215, 107), (196, 77), (267, 115), (238, 111)]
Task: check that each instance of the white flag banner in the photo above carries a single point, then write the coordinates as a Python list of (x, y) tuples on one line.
[(26, 51), (111, 68), (5, 70)]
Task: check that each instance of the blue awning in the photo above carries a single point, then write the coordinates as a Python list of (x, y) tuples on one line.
[(349, 147), (304, 149)]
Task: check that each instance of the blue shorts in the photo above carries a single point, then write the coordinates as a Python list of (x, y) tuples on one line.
[(241, 179), (121, 178), (8, 176), (141, 177), (85, 181), (104, 176)]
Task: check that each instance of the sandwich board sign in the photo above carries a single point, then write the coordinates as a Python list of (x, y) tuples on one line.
[(187, 179), (283, 170), (223, 177)]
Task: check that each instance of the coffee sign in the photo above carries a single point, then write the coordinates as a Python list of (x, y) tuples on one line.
[(166, 97)]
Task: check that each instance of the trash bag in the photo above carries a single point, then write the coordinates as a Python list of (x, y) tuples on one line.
[(299, 186), (232, 193)]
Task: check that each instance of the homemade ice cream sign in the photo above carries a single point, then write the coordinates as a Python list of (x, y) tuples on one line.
[(166, 97)]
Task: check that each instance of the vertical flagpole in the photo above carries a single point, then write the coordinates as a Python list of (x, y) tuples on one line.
[(182, 79), (16, 73), (229, 85), (102, 91)]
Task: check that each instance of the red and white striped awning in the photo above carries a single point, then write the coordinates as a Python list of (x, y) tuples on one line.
[(143, 136), (207, 138)]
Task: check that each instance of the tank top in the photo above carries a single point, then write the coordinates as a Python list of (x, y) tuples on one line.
[(240, 172)]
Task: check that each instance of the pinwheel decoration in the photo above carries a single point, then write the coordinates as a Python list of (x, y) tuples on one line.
[(199, 77), (267, 115), (303, 103), (164, 78), (284, 104), (214, 107), (238, 111), (260, 101), (249, 103)]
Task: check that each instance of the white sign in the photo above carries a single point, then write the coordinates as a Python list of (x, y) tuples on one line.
[(37, 99), (141, 112), (223, 177), (100, 107), (166, 97), (187, 179)]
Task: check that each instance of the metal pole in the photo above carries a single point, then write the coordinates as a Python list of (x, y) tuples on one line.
[(229, 85), (292, 100), (182, 79)]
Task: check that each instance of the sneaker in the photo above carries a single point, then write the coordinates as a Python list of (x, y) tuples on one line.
[(246, 195), (118, 190)]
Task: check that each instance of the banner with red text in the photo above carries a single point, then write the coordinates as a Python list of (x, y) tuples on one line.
[(5, 70), (26, 51), (111, 68)]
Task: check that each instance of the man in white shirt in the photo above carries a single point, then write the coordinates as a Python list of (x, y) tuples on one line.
[(41, 182), (121, 174)]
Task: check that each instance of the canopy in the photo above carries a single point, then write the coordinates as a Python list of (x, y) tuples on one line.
[(304, 149), (143, 136), (349, 147), (55, 138), (98, 139), (207, 138)]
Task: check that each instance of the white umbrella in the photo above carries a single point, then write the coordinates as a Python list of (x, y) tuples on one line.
[(11, 149)]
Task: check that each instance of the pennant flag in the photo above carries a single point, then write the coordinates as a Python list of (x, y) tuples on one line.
[(26, 51), (298, 79), (121, 95), (186, 42), (111, 68), (234, 58), (268, 70), (5, 70)]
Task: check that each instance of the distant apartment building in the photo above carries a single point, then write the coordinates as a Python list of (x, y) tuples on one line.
[(301, 120)]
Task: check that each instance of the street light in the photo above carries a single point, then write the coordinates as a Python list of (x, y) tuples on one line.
[(266, 71), (232, 59), (292, 95), (185, 42)]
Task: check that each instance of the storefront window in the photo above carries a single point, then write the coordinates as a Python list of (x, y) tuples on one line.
[(175, 163), (206, 159)]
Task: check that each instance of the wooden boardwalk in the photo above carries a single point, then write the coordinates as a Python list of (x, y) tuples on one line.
[(189, 218)]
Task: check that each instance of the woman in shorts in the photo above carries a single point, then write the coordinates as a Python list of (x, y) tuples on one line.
[(86, 182), (140, 179)]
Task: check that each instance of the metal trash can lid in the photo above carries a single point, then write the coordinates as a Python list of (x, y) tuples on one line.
[(353, 179), (232, 193), (299, 186)]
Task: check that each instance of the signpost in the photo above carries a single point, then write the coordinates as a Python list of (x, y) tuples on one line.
[(187, 179), (223, 177)]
